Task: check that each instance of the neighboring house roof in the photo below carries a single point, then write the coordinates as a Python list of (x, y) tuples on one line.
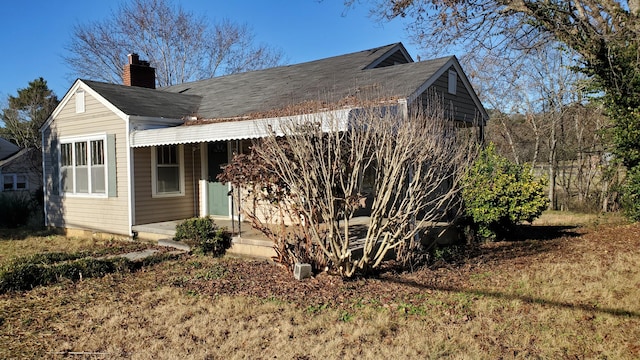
[(14, 156), (7, 148)]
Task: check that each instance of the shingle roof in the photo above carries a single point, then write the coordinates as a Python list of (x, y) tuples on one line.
[(7, 148), (331, 79), (133, 100)]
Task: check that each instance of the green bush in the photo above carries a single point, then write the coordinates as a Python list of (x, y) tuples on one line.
[(205, 234), (45, 269), (499, 194), (631, 194), (16, 208), (447, 253)]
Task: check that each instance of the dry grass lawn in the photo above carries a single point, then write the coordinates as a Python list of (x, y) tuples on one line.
[(572, 295)]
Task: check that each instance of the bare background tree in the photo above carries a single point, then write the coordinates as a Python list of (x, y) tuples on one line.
[(508, 28), (179, 44), (404, 167), (549, 120), (603, 38)]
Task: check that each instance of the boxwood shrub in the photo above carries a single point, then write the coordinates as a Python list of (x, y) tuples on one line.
[(205, 235), (44, 269)]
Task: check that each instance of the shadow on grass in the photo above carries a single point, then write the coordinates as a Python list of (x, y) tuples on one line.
[(524, 241), (22, 233), (542, 232), (523, 298)]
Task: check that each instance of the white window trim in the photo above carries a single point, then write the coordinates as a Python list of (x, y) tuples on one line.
[(453, 82), (87, 139), (154, 174), (14, 182)]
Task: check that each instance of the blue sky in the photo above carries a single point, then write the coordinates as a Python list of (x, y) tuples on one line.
[(33, 34)]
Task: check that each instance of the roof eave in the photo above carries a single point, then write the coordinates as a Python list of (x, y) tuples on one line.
[(138, 122)]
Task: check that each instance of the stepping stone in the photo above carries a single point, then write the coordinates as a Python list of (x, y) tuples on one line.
[(174, 244), (139, 255)]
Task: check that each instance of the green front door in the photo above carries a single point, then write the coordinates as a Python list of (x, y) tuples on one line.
[(217, 156)]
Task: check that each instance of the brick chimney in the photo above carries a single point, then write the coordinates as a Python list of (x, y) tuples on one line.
[(139, 73)]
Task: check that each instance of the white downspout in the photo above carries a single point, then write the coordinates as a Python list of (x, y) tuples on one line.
[(130, 177)]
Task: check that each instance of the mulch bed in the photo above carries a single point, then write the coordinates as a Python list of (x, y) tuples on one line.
[(266, 280)]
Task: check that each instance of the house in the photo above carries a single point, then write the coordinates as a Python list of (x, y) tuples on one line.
[(118, 156), (19, 168), (7, 148)]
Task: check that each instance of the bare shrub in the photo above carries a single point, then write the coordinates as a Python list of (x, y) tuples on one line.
[(316, 173)]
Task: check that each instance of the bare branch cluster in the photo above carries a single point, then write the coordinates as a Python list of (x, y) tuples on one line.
[(402, 166), (583, 25), (543, 116), (603, 36), (180, 45)]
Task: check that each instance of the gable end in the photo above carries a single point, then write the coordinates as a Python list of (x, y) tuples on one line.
[(463, 86), (80, 86), (396, 55)]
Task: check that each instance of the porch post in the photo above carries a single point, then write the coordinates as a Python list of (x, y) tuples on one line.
[(202, 182)]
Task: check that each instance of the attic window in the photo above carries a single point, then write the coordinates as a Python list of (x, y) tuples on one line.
[(80, 101), (453, 82)]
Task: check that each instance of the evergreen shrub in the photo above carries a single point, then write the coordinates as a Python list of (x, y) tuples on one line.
[(205, 234), (499, 194), (16, 208)]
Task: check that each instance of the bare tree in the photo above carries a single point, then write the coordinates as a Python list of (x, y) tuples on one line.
[(551, 122), (604, 36), (180, 45), (588, 27), (405, 165)]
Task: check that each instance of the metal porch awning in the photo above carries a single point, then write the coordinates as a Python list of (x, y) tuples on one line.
[(234, 130)]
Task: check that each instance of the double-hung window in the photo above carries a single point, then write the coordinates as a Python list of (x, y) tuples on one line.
[(13, 182), (168, 170), (82, 166)]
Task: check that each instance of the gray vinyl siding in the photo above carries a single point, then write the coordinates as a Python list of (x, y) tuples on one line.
[(150, 209), (104, 214), (29, 165), (460, 106)]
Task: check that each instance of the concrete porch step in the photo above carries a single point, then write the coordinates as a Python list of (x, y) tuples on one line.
[(251, 248)]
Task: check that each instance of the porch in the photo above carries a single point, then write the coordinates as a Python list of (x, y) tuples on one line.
[(247, 241)]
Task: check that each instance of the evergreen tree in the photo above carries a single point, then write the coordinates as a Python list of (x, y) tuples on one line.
[(27, 112)]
